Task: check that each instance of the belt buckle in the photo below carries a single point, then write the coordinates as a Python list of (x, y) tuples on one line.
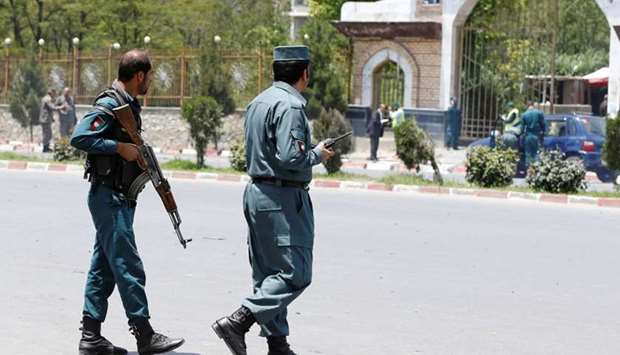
[(278, 183)]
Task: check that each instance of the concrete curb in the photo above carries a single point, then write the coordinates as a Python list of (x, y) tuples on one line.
[(355, 185)]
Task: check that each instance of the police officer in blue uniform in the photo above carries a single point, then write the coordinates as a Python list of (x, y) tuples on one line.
[(276, 204), (533, 123), (113, 163), (453, 128)]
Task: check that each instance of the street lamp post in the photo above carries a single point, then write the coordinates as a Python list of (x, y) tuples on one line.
[(7, 44), (41, 43), (147, 40), (115, 46), (76, 43)]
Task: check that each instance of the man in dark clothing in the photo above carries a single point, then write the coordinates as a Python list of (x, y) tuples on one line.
[(374, 128), (453, 130)]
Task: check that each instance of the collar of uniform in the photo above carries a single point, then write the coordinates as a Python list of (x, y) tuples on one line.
[(291, 90), (119, 88)]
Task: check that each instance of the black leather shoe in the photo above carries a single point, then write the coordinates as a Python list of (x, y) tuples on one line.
[(150, 342), (92, 343), (232, 330), (279, 346)]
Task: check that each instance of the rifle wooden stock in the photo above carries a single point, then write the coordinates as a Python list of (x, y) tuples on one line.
[(124, 115), (166, 196)]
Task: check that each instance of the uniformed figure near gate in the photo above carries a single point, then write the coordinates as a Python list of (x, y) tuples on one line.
[(533, 122), (453, 127), (276, 204), (112, 165), (46, 118)]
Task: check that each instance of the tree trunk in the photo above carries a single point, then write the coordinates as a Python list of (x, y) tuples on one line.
[(437, 174)]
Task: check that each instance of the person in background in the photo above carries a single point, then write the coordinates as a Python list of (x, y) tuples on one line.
[(374, 128), (603, 107), (453, 128), (67, 116), (46, 118), (512, 128), (397, 116), (533, 126)]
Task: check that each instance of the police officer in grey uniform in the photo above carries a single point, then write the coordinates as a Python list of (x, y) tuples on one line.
[(276, 204)]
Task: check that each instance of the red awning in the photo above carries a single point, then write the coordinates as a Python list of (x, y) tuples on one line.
[(599, 78)]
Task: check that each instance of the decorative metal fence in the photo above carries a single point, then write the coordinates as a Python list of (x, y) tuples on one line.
[(175, 74)]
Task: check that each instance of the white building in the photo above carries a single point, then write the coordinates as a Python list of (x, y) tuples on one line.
[(299, 14)]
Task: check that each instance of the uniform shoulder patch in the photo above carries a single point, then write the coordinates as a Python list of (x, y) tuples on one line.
[(96, 123)]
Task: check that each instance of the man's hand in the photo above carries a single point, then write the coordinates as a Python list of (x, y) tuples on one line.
[(130, 152), (325, 153)]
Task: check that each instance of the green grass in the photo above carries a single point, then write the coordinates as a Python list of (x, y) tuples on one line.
[(21, 157), (187, 165), (344, 177), (408, 179)]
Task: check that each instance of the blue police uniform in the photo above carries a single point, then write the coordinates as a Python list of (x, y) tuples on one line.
[(533, 122), (115, 260)]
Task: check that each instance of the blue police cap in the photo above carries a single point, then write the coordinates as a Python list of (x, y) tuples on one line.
[(288, 53)]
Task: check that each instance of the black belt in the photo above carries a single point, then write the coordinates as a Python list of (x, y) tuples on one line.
[(280, 182)]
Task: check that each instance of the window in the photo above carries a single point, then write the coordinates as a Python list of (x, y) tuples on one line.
[(556, 128), (594, 125), (431, 2)]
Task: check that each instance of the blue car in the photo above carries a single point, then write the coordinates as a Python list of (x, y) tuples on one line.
[(580, 138)]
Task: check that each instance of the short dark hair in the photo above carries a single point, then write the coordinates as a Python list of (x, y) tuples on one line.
[(289, 71), (133, 62)]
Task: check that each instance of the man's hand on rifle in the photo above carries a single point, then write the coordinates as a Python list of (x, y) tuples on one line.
[(130, 152), (325, 153)]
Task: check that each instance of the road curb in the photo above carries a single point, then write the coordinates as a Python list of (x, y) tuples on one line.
[(356, 185)]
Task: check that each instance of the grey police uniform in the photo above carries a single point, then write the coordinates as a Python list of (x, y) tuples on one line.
[(277, 206)]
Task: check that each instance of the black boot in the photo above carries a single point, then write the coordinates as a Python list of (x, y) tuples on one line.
[(92, 343), (46, 148), (279, 346), (150, 342), (232, 329)]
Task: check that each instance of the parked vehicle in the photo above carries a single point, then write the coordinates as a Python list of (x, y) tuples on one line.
[(580, 138)]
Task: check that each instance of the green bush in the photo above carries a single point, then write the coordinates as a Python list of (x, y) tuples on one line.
[(415, 147), (204, 116), (553, 174), (330, 125), (611, 150), (237, 157), (63, 151), (488, 167)]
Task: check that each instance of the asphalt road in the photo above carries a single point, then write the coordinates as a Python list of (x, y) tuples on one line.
[(396, 274)]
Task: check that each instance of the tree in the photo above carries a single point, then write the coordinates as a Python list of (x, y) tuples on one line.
[(328, 9), (330, 125), (415, 147), (204, 116), (213, 78), (516, 38), (25, 96), (326, 90)]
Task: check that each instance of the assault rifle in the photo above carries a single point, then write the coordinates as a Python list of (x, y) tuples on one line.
[(152, 171), (330, 142)]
